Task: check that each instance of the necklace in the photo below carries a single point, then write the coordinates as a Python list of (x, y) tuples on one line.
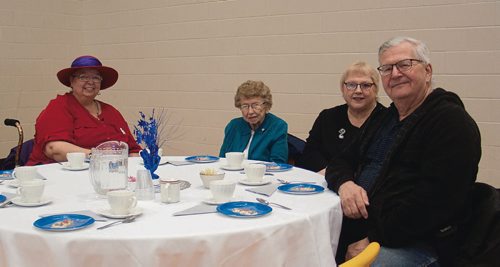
[(98, 108)]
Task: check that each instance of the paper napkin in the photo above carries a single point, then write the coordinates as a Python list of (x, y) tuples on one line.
[(266, 190), (180, 163), (8, 195), (89, 213), (198, 209)]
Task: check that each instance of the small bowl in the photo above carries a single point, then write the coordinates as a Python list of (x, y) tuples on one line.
[(206, 179)]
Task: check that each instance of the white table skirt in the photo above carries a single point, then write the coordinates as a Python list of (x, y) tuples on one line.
[(304, 236)]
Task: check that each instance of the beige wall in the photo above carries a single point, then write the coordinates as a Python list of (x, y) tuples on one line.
[(189, 56)]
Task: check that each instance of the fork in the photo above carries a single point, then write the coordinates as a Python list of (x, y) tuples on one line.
[(126, 220)]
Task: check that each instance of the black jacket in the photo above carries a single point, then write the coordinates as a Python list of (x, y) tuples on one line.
[(427, 174)]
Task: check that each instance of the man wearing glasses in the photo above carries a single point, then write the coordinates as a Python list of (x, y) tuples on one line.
[(405, 181)]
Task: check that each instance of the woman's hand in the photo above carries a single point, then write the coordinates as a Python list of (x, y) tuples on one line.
[(354, 200)]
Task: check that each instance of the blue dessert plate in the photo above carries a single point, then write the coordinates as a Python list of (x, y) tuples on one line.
[(301, 189), (2, 198), (6, 175), (202, 159), (277, 167), (63, 222), (244, 209)]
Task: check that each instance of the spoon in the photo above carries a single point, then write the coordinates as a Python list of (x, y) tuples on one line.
[(294, 182), (263, 201), (126, 220), (6, 203)]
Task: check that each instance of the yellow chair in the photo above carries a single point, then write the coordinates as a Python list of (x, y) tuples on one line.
[(365, 258)]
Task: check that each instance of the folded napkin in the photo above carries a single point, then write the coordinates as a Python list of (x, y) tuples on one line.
[(89, 213), (198, 209), (266, 190), (8, 197)]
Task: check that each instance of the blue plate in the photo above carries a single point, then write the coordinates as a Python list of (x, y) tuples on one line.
[(244, 209), (63, 222), (277, 167), (301, 189), (202, 159), (2, 198), (6, 175)]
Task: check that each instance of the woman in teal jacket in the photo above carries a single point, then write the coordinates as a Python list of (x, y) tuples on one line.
[(258, 133)]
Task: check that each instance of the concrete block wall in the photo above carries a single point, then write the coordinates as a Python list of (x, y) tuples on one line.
[(189, 56)]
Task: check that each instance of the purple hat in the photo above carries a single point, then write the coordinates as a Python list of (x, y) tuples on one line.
[(109, 75)]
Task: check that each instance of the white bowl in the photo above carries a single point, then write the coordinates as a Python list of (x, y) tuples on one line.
[(206, 179)]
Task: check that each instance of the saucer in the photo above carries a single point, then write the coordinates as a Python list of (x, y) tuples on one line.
[(212, 201), (69, 168), (107, 213), (12, 183), (44, 201), (264, 181), (229, 168)]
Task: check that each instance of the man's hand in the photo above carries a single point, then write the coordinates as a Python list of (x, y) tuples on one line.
[(355, 248), (354, 200)]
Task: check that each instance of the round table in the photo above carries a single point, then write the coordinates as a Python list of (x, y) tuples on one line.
[(305, 236)]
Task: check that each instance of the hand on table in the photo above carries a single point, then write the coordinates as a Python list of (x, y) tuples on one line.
[(355, 248), (354, 200)]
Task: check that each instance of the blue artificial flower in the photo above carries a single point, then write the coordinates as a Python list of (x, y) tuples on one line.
[(146, 133)]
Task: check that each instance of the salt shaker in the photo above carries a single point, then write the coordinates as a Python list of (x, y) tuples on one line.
[(170, 190)]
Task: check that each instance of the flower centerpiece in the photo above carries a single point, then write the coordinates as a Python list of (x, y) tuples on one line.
[(147, 132)]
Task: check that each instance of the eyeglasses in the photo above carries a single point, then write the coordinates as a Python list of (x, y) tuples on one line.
[(403, 66), (255, 106), (85, 78), (351, 86)]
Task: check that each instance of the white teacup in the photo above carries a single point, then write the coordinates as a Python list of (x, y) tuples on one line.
[(31, 191), (121, 201), (255, 172), (222, 190), (75, 159), (25, 173), (234, 159)]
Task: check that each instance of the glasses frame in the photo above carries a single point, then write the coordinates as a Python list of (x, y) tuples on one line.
[(364, 86), (87, 78), (255, 106), (387, 69)]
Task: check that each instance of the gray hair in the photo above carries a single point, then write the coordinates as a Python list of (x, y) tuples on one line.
[(421, 50)]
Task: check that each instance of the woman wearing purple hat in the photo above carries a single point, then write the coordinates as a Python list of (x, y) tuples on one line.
[(76, 121)]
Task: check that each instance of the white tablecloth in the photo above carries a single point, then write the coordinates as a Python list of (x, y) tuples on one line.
[(304, 236)]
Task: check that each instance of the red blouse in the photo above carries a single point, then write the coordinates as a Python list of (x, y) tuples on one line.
[(65, 119)]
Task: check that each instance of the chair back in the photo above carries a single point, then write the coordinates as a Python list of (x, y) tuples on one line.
[(295, 148), (365, 258), (9, 162)]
